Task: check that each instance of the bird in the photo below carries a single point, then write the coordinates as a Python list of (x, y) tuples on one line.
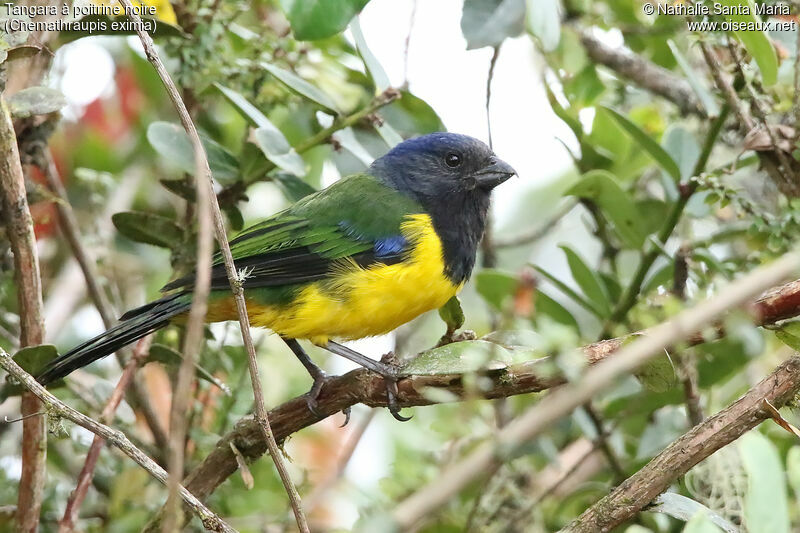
[(357, 259)]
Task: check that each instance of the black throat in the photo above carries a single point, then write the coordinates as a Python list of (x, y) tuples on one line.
[(459, 221)]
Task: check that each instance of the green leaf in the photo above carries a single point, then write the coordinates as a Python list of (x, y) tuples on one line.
[(388, 134), (293, 188), (92, 25), (241, 103), (458, 357), (766, 509), (412, 116), (697, 83), (278, 150), (168, 356), (544, 22), (789, 334), (545, 305), (235, 218), (701, 523), (658, 374), (683, 148), (662, 278), (318, 19), (495, 286), (172, 143), (566, 289), (148, 228), (182, 187), (601, 187), (34, 358), (348, 140), (371, 62), (35, 101), (647, 144), (588, 281), (756, 42), (490, 22), (688, 510), (301, 87), (582, 89), (452, 314), (793, 468)]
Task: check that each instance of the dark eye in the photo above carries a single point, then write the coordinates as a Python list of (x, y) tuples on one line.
[(452, 160)]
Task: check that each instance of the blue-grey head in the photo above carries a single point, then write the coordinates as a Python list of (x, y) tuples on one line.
[(452, 177), (434, 166)]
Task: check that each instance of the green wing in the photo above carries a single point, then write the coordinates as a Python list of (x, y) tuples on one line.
[(358, 218)]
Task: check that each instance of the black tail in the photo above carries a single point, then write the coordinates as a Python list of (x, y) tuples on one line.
[(134, 325)]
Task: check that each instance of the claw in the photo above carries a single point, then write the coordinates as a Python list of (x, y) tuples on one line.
[(391, 400), (313, 394), (346, 413)]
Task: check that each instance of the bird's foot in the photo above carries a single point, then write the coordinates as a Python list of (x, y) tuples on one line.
[(389, 362), (312, 396), (384, 368), (391, 399)]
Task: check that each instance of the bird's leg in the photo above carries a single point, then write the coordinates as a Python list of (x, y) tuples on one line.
[(388, 373), (317, 374)]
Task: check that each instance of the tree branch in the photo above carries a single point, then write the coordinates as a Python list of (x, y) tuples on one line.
[(19, 227), (645, 74), (682, 454), (361, 386), (57, 409)]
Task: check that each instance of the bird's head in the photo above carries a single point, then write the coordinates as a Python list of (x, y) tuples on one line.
[(435, 166)]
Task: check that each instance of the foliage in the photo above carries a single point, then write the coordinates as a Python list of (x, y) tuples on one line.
[(662, 209)]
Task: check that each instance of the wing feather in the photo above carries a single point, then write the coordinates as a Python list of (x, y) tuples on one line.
[(352, 219)]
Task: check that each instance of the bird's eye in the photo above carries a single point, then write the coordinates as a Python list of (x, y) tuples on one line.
[(452, 160)]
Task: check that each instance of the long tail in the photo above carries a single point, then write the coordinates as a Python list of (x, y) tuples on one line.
[(134, 325)]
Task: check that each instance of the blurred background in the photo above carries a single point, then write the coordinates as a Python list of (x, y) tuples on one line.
[(602, 162)]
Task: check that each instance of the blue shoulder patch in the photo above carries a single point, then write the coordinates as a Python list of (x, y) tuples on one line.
[(390, 245)]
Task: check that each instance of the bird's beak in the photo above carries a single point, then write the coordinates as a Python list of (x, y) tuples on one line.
[(493, 174)]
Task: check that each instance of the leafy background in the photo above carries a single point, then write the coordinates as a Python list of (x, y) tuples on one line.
[(585, 245)]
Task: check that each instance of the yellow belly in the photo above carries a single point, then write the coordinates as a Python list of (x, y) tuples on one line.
[(366, 302)]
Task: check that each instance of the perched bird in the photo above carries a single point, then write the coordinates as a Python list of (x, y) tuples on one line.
[(359, 258)]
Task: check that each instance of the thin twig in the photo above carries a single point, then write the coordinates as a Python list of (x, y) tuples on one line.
[(488, 251), (603, 445), (566, 473), (687, 369), (57, 409), (19, 228), (489, 79), (682, 454), (594, 380), (233, 277), (67, 523), (645, 74), (407, 44), (746, 122), (785, 166), (183, 392)]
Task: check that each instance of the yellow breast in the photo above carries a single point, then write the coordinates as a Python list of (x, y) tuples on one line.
[(362, 302)]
